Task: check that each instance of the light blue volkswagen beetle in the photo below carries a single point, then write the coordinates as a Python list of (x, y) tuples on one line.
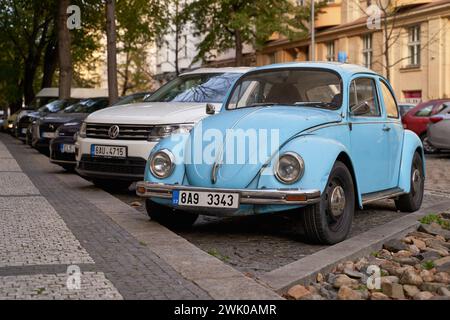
[(318, 139)]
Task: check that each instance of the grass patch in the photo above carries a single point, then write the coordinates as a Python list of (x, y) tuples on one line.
[(40, 290), (430, 218), (218, 255), (428, 265)]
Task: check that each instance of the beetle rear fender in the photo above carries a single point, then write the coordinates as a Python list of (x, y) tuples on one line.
[(319, 154), (411, 145)]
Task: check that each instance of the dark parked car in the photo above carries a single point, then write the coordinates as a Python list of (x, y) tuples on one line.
[(418, 119), (133, 98), (44, 129), (439, 129), (24, 124)]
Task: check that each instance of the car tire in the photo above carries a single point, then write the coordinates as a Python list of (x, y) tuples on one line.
[(327, 224), (412, 201), (427, 146), (168, 216), (69, 167)]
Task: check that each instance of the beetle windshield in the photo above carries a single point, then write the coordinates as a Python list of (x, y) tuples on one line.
[(202, 87), (299, 87)]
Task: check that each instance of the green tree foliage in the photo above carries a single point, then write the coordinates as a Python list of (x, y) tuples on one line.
[(227, 24)]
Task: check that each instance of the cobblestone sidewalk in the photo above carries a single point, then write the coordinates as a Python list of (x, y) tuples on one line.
[(47, 227)]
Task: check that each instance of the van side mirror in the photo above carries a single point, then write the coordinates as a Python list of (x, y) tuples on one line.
[(210, 108), (360, 109)]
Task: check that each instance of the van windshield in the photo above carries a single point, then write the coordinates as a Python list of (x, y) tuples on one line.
[(202, 87)]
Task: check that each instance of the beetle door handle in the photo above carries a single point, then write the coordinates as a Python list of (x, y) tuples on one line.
[(386, 128)]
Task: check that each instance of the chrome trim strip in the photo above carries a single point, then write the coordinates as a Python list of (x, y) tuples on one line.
[(247, 196), (382, 197)]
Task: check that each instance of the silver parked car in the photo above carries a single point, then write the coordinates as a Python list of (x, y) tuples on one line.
[(439, 129)]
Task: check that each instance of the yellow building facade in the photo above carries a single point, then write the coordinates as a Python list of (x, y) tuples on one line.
[(410, 47)]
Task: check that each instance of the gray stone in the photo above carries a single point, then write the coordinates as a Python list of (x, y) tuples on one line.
[(411, 277), (395, 245), (445, 267), (410, 291), (411, 261), (428, 256), (353, 274), (444, 291), (393, 290), (435, 229), (431, 286)]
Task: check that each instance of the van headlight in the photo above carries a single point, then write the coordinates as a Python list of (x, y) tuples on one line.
[(161, 131), (82, 133), (289, 168), (162, 163)]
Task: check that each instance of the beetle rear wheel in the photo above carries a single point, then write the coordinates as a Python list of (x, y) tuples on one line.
[(413, 200), (169, 217), (330, 220)]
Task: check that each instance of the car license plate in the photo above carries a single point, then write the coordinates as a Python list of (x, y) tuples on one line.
[(108, 151), (49, 135), (24, 130), (67, 148), (205, 199)]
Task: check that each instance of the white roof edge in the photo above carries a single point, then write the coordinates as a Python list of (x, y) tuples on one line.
[(78, 93)]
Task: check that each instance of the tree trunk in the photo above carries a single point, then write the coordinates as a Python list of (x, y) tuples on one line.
[(50, 63), (111, 48), (65, 57), (126, 73), (177, 38), (239, 58)]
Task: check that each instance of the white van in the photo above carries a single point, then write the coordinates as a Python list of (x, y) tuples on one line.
[(114, 143)]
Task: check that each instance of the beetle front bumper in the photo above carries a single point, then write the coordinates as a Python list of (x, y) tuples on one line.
[(247, 196)]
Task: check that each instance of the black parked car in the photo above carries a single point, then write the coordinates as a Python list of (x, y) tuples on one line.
[(24, 124), (43, 130)]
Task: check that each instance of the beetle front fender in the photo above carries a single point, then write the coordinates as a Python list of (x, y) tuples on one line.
[(176, 144), (319, 155), (411, 144)]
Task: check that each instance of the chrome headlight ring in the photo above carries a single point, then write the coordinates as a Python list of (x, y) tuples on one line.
[(289, 168), (162, 163)]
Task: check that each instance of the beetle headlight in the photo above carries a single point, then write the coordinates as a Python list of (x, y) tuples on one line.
[(82, 133), (162, 163), (289, 168)]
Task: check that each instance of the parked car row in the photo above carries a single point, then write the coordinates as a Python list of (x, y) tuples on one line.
[(314, 139)]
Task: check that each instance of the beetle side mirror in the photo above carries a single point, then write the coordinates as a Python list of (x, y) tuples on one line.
[(360, 109), (210, 109)]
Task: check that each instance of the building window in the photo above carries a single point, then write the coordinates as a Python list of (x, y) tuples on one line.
[(414, 46), (330, 51), (367, 51)]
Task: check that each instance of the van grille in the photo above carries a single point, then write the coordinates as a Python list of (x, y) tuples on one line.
[(126, 131)]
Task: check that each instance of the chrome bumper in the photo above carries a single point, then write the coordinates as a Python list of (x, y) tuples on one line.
[(247, 196)]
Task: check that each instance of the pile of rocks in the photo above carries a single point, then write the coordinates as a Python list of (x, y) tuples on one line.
[(414, 267)]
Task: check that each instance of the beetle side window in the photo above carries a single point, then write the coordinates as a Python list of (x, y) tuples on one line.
[(389, 101), (363, 100)]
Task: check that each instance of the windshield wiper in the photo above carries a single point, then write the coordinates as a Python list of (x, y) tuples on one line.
[(327, 105)]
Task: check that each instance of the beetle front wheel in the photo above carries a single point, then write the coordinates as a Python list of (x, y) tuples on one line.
[(330, 220), (169, 217)]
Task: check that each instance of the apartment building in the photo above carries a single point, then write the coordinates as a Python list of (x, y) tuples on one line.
[(410, 47)]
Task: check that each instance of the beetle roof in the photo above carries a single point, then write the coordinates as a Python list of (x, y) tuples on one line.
[(344, 69)]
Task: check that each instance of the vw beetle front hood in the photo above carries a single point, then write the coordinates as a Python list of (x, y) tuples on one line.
[(226, 144)]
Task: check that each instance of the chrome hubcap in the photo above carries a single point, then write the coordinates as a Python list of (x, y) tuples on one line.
[(337, 201), (416, 180)]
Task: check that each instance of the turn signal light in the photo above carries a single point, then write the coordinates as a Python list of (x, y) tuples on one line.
[(140, 190), (296, 197)]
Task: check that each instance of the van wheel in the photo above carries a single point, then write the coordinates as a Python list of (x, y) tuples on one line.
[(111, 184), (413, 200), (168, 216), (330, 220)]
